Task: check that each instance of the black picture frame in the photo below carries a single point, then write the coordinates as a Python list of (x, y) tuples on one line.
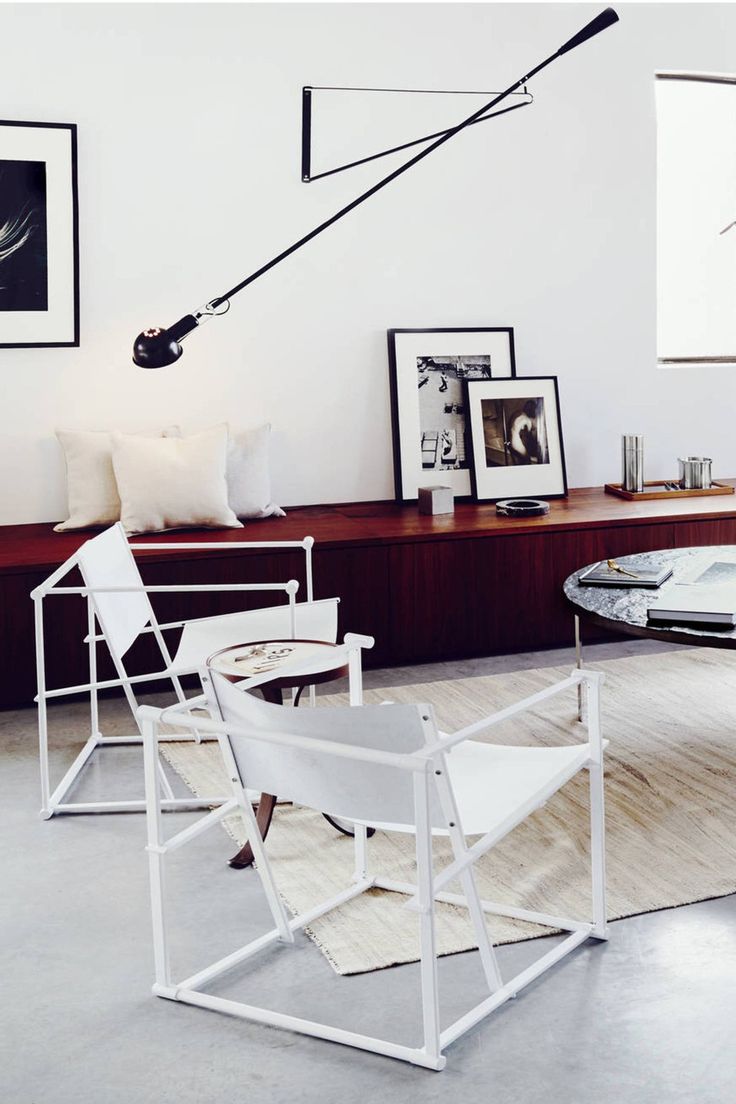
[(474, 342), (511, 475), (41, 306)]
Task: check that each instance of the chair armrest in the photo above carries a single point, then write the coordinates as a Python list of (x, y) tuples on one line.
[(357, 640), (222, 546), (591, 678), (291, 587)]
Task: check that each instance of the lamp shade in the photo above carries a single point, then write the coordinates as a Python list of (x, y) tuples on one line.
[(155, 348)]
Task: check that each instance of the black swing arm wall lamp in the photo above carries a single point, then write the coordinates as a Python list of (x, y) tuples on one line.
[(158, 346)]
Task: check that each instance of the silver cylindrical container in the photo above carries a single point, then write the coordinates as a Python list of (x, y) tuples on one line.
[(632, 462), (695, 472)]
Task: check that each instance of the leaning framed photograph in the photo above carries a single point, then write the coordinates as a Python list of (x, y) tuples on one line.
[(428, 371), (39, 235), (516, 448)]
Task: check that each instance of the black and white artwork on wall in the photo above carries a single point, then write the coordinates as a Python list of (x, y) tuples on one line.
[(39, 249), (429, 371)]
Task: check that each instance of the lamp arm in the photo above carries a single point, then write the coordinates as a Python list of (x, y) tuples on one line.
[(167, 340)]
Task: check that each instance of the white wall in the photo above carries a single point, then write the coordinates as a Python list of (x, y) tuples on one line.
[(189, 178)]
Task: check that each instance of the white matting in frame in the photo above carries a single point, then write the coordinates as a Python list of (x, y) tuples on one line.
[(39, 244), (516, 439), (428, 370)]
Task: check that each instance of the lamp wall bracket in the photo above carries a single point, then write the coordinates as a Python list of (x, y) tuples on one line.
[(523, 98)]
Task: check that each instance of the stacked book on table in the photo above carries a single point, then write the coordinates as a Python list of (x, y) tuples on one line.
[(695, 604), (609, 573), (707, 599)]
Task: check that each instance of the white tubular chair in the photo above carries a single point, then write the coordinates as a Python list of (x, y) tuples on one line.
[(118, 603), (387, 766)]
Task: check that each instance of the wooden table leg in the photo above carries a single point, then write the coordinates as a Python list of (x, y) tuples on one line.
[(266, 805)]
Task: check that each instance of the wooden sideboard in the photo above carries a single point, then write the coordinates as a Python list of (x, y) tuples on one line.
[(428, 588)]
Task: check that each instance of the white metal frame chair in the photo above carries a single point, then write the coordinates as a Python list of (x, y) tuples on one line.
[(387, 766), (119, 611)]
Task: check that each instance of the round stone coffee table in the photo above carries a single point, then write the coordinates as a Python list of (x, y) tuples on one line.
[(624, 609)]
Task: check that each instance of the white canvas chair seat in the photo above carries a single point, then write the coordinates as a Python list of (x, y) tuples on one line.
[(119, 611), (389, 766), (492, 784), (496, 786)]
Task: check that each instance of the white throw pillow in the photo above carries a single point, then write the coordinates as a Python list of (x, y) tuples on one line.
[(173, 483), (91, 488), (249, 476)]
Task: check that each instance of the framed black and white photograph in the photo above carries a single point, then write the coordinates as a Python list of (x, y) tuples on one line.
[(516, 448), (39, 235), (428, 372)]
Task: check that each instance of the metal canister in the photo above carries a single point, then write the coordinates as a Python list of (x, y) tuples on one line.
[(695, 472), (632, 462)]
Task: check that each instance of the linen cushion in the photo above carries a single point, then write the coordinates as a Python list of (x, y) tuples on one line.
[(173, 483), (249, 476), (92, 491)]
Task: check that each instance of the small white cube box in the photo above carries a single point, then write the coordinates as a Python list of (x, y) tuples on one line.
[(436, 500)]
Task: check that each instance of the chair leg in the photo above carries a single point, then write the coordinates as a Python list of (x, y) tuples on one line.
[(477, 916), (579, 664), (425, 895), (276, 905), (361, 834), (255, 841), (598, 851), (94, 711), (467, 880), (597, 813), (43, 755), (43, 732), (155, 850)]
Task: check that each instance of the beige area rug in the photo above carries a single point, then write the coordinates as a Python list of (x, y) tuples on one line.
[(671, 810)]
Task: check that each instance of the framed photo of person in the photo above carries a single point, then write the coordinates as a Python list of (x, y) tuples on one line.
[(428, 371), (39, 235), (516, 448)]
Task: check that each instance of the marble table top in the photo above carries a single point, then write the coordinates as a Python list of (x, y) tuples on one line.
[(624, 609)]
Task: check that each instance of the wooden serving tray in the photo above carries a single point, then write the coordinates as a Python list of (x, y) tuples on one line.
[(641, 496)]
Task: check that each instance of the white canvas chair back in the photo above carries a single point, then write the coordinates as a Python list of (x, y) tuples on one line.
[(312, 621), (107, 561), (344, 787)]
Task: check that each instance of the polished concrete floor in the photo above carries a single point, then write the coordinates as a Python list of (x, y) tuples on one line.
[(646, 1018)]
